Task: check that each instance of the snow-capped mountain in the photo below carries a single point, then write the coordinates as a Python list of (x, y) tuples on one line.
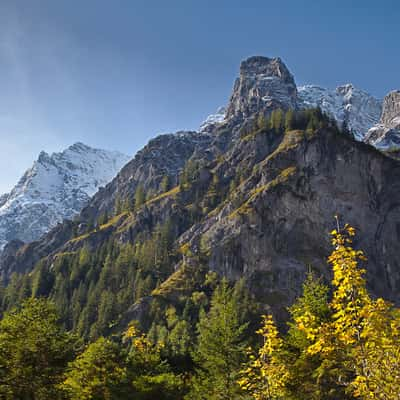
[(56, 187), (347, 104)]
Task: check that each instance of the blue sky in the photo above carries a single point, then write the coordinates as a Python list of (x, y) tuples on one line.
[(113, 74)]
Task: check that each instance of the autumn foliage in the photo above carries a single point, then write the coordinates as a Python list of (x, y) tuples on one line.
[(352, 351)]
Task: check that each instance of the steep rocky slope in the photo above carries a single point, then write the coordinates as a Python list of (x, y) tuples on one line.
[(263, 84), (56, 187), (385, 135), (243, 200), (276, 224)]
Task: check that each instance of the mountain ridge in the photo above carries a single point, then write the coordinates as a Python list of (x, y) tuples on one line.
[(56, 187)]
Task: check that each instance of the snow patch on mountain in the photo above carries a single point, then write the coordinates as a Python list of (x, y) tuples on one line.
[(213, 119), (56, 187), (346, 104)]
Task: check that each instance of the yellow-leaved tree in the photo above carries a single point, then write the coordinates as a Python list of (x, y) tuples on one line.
[(361, 341), (344, 347), (265, 376)]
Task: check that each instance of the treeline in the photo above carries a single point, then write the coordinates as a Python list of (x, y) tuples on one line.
[(338, 345), (280, 121)]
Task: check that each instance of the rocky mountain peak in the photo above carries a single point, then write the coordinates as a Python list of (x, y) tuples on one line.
[(263, 84), (259, 65), (57, 186), (43, 157), (385, 135), (391, 110)]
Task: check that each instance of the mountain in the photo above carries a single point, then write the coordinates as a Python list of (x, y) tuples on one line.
[(55, 188), (268, 85), (263, 84), (248, 197), (385, 135), (346, 104)]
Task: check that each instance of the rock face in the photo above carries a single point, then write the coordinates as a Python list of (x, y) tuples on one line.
[(391, 110), (55, 188), (280, 226), (264, 84), (165, 155), (346, 104), (385, 135)]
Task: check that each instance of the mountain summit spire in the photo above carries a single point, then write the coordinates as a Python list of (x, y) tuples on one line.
[(263, 84)]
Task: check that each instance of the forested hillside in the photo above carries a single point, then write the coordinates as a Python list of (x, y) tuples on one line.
[(337, 345)]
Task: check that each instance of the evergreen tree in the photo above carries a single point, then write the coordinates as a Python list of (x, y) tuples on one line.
[(117, 205), (277, 120), (99, 373), (34, 351), (220, 349), (140, 197), (42, 281), (150, 375), (303, 367), (289, 120), (165, 184), (314, 300)]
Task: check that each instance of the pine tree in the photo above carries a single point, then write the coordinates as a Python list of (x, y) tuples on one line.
[(98, 373), (140, 197), (165, 184), (150, 375), (42, 280), (34, 350), (302, 366), (220, 349), (277, 120), (315, 301), (289, 120)]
